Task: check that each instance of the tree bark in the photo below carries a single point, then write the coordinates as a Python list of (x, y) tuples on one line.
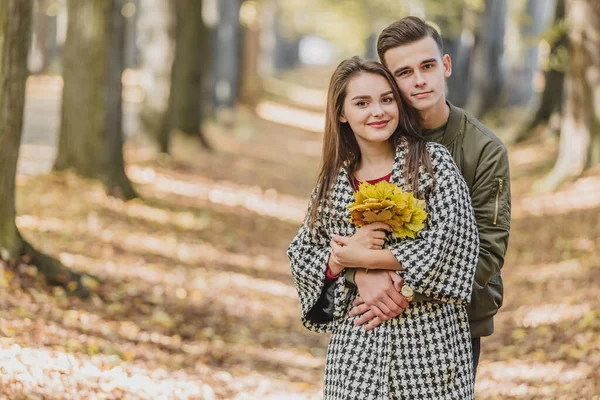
[(156, 27), (537, 16), (91, 135), (550, 102), (580, 127), (228, 54), (14, 42), (488, 69), (251, 85), (458, 44), (185, 97)]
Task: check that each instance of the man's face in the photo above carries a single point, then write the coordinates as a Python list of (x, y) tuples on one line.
[(420, 71)]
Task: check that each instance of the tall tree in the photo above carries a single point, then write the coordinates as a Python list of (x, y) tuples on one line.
[(14, 42), (251, 85), (156, 30), (91, 137), (488, 70), (549, 105), (532, 20), (580, 126), (227, 56), (185, 96)]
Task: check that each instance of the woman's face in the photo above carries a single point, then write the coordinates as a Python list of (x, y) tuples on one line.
[(370, 109)]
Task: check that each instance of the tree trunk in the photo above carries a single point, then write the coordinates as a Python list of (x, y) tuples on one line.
[(156, 27), (458, 44), (537, 16), (185, 97), (14, 42), (91, 139), (550, 102), (488, 70), (251, 86), (227, 56), (580, 127)]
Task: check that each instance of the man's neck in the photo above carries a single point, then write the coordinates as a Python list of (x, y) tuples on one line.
[(435, 116)]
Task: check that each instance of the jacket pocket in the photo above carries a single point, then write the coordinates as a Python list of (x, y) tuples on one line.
[(486, 302)]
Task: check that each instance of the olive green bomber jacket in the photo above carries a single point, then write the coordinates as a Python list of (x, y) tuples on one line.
[(483, 161)]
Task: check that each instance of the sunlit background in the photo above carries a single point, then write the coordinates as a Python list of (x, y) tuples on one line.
[(222, 105)]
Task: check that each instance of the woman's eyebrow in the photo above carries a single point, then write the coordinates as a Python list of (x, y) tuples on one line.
[(364, 96)]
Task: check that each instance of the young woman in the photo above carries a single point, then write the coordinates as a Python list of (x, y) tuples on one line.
[(425, 353)]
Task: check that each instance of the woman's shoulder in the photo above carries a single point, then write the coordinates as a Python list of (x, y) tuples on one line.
[(439, 154)]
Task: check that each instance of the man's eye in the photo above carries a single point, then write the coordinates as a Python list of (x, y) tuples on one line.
[(403, 73), (428, 66)]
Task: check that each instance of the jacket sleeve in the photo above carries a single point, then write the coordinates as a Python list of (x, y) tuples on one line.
[(440, 263), (491, 201), (309, 253)]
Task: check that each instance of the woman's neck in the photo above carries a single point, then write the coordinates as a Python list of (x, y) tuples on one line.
[(375, 162)]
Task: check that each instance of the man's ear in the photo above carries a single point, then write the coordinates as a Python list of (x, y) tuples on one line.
[(447, 63)]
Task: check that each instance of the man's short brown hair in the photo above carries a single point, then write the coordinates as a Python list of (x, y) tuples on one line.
[(405, 31)]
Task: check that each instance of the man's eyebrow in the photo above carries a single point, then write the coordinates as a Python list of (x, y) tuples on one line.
[(429, 61), (403, 68)]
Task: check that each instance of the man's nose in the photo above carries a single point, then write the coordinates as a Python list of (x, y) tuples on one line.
[(419, 79)]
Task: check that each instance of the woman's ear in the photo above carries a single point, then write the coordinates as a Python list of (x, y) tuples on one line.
[(342, 119)]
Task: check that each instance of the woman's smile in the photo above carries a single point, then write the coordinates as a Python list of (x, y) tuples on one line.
[(378, 124)]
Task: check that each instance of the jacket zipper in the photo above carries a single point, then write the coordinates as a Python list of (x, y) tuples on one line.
[(498, 193)]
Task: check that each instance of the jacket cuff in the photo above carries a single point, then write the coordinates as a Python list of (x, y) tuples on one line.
[(350, 283)]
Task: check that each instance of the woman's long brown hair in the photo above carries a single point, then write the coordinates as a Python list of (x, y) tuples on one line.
[(340, 148)]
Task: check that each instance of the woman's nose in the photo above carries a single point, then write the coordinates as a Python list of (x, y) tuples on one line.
[(376, 110)]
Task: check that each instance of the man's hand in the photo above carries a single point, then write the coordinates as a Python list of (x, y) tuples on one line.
[(380, 299)]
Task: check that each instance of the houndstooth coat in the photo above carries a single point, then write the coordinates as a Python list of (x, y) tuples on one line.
[(425, 353)]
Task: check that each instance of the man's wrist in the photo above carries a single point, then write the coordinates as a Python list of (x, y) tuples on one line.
[(350, 282)]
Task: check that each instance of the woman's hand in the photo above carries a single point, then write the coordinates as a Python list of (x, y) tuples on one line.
[(348, 253), (370, 236)]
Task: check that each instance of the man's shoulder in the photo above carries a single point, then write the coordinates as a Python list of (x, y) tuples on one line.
[(475, 130)]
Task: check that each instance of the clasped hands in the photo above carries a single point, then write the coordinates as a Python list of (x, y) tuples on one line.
[(379, 290)]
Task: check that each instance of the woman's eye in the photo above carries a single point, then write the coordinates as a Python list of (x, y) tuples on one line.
[(361, 103), (388, 100)]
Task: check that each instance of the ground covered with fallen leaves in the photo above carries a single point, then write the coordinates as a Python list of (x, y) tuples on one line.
[(196, 300)]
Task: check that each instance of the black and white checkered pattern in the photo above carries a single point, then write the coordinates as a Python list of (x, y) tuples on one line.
[(425, 353)]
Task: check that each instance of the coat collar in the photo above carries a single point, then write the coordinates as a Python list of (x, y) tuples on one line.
[(455, 123)]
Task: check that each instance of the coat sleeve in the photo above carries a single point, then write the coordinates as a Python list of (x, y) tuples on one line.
[(440, 263), (309, 253)]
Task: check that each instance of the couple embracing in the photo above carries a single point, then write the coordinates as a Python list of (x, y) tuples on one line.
[(406, 314)]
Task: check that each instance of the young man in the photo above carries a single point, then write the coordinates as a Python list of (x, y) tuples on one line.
[(412, 51)]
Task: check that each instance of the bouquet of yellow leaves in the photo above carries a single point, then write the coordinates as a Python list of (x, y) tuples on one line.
[(385, 202)]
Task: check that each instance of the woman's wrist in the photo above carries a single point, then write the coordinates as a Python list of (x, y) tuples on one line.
[(334, 268)]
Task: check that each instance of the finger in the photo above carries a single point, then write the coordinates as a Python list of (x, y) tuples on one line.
[(378, 235), (379, 225), (374, 323), (382, 304), (359, 310), (396, 303), (377, 243), (397, 280), (343, 240), (366, 317), (358, 301)]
